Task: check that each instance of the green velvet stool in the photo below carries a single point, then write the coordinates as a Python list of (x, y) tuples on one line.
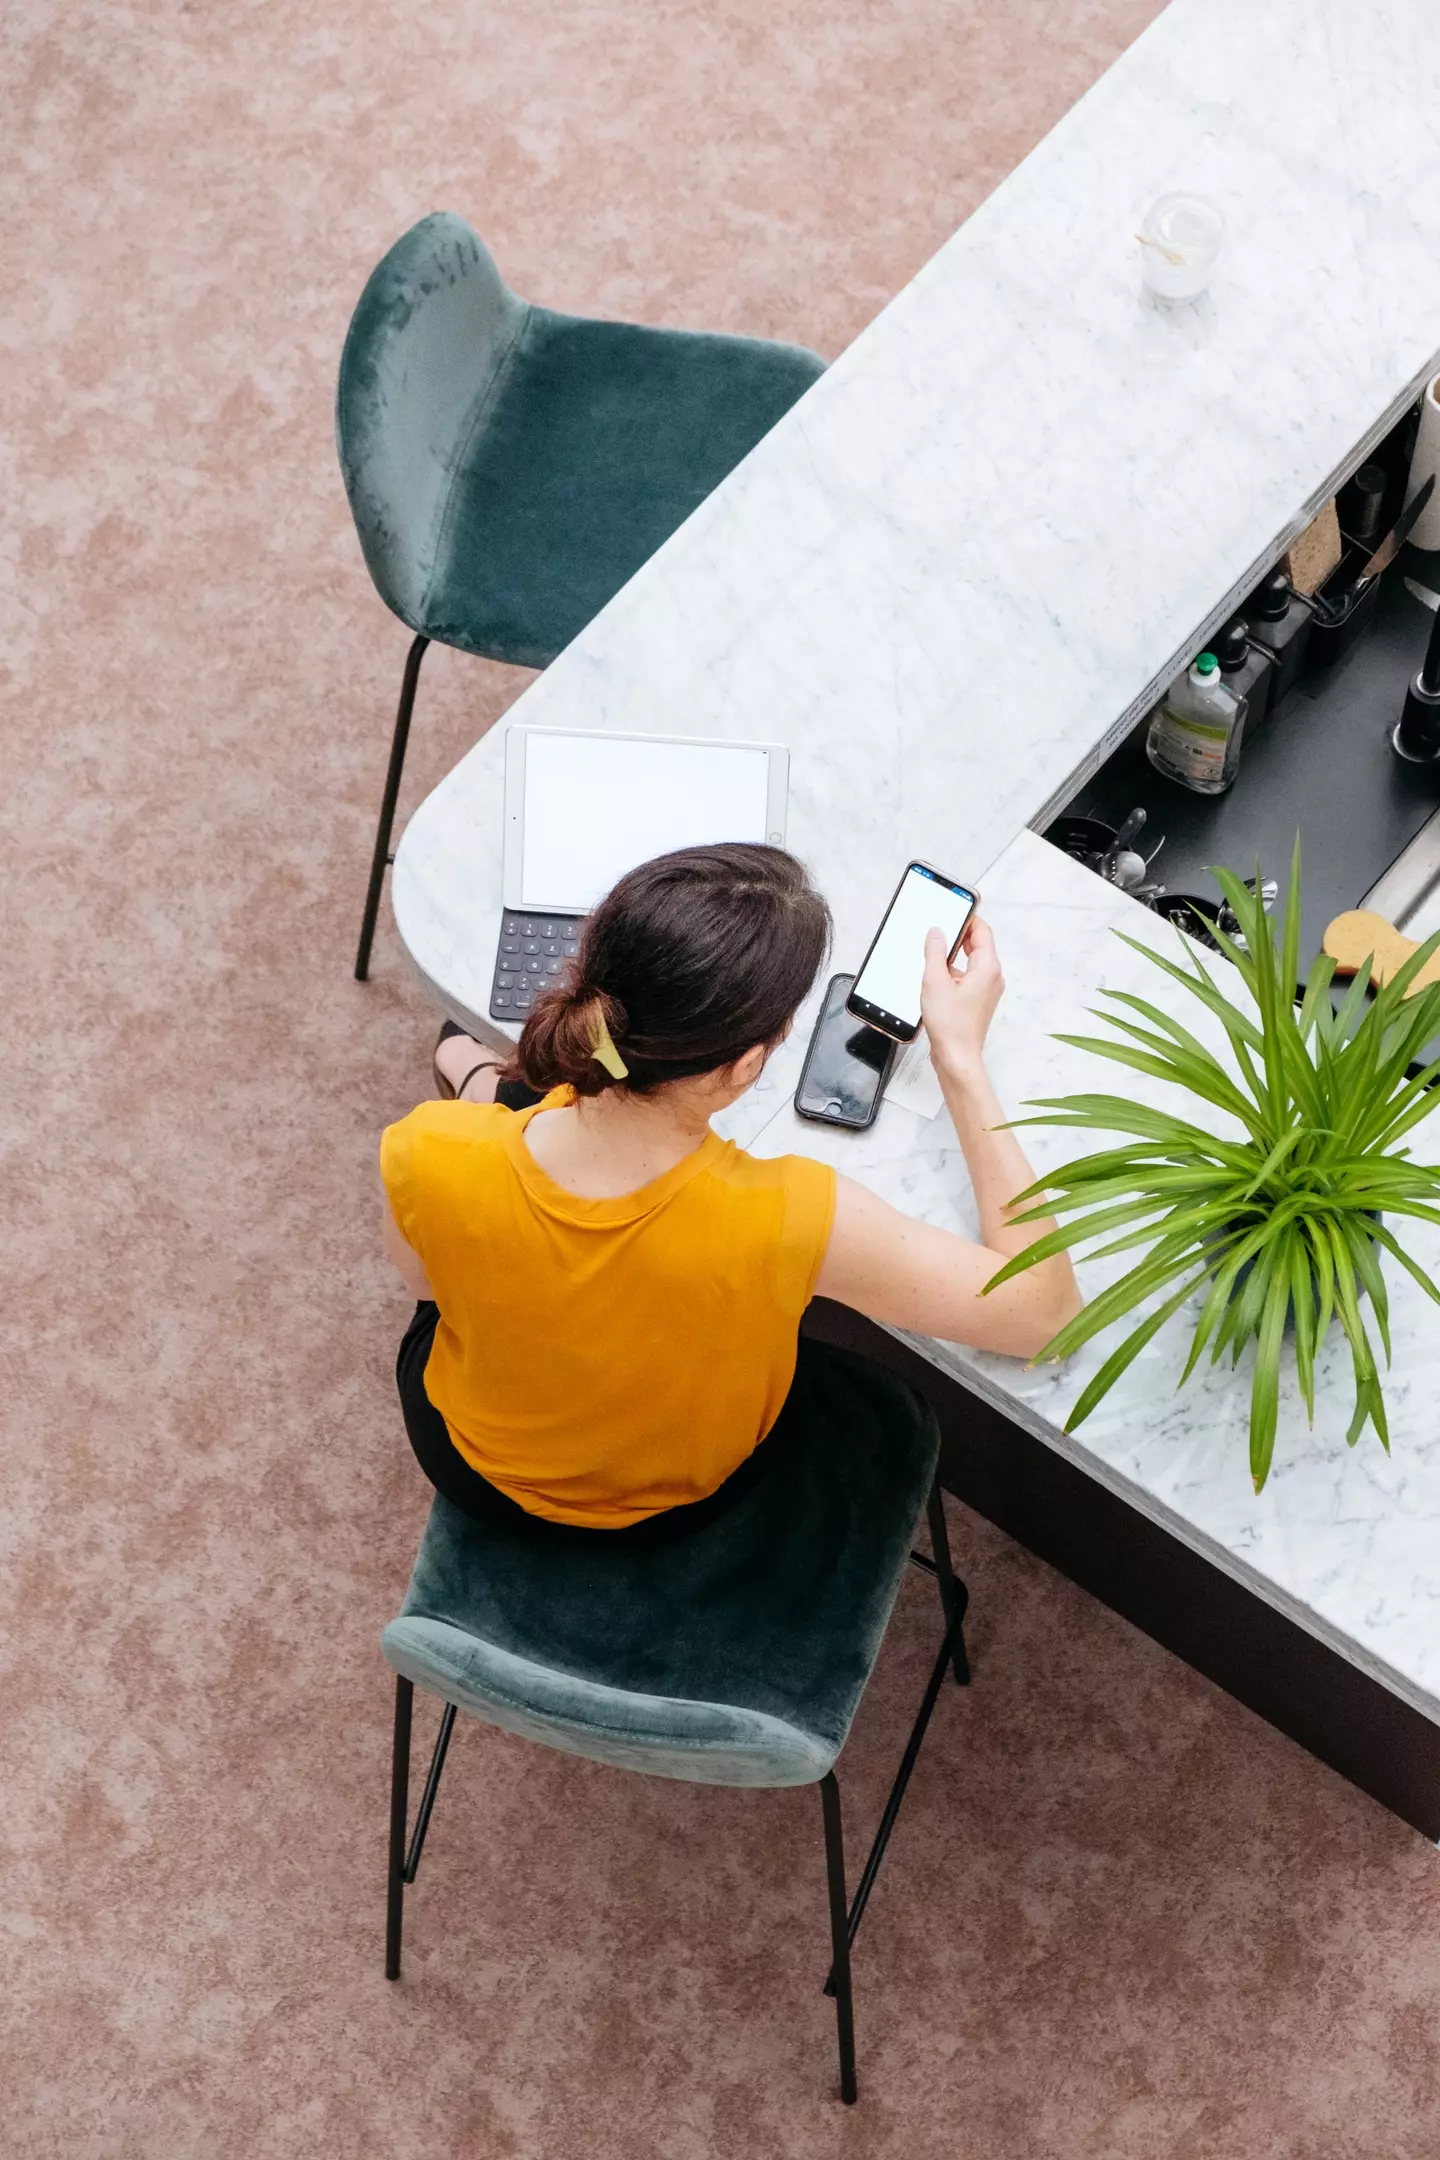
[(735, 1655), (509, 469)]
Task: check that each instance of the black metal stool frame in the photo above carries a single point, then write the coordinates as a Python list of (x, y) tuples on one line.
[(382, 856), (845, 1917)]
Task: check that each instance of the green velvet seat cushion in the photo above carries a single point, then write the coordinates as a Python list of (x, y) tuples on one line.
[(509, 468), (735, 1655), (602, 440)]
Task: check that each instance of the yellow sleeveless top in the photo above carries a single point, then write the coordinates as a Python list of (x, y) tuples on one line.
[(599, 1360)]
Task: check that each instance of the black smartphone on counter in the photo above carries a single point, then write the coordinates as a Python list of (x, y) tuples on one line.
[(846, 1065), (887, 989)]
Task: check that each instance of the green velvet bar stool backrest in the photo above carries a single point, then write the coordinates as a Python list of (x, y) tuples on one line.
[(510, 468)]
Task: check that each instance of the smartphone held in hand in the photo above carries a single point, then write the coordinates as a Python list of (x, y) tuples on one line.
[(887, 989)]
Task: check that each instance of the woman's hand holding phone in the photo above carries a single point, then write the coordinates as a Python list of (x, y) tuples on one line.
[(914, 1275), (957, 1005)]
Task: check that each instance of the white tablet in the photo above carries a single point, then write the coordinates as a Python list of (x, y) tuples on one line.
[(583, 808)]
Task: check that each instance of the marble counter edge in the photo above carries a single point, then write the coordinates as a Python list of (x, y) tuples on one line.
[(1035, 876), (949, 1359)]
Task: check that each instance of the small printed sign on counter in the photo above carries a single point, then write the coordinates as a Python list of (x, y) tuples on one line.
[(914, 1083)]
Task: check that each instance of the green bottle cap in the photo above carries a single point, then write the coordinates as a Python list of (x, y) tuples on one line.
[(1206, 664)]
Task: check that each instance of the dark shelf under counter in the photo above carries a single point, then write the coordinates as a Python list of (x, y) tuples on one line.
[(1320, 764)]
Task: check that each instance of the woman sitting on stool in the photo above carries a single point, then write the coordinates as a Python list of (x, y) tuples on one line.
[(606, 1338)]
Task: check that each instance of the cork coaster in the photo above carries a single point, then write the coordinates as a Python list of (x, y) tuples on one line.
[(1358, 935)]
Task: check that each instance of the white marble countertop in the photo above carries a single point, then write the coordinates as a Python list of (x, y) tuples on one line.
[(1347, 1542), (968, 557)]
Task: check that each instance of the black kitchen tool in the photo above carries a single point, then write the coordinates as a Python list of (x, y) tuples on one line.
[(1343, 608), (1363, 505), (1083, 839), (1191, 913), (1110, 862), (1337, 599), (1416, 735), (1399, 532)]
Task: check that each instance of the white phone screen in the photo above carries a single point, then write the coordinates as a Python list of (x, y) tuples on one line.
[(892, 975)]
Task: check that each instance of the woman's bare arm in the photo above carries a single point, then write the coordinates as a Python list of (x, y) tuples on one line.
[(915, 1276), (457, 1057), (406, 1260)]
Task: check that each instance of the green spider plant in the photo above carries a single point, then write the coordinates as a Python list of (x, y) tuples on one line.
[(1279, 1227)]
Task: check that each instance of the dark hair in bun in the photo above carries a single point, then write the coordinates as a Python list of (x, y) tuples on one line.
[(691, 960)]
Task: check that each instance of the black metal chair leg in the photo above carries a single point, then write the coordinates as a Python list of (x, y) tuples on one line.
[(399, 1798), (427, 1798), (391, 796), (954, 1597), (897, 1793), (839, 1936)]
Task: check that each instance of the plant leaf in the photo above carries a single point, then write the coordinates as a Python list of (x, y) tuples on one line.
[(1353, 1002), (1302, 1304), (1193, 1225), (1323, 1094), (1397, 1252), (1317, 994), (1171, 1068), (1068, 1234), (1323, 1266), (1362, 1356), (1265, 1386), (1114, 1302), (1259, 937), (1367, 1267), (1115, 1113), (1127, 1352), (1284, 1146), (1290, 942), (1217, 1302), (1239, 1027), (1184, 1042)]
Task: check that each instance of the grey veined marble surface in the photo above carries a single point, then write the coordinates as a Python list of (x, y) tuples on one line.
[(1013, 506), (978, 545), (1345, 1541)]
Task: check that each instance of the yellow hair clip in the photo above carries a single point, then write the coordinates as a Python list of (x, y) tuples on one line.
[(605, 1052)]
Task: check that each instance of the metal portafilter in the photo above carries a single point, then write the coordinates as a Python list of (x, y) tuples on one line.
[(1416, 736)]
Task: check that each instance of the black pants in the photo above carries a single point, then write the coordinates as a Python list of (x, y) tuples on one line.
[(464, 1487)]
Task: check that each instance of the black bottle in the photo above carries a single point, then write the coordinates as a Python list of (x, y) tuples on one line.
[(1248, 670), (1362, 504), (1281, 624)]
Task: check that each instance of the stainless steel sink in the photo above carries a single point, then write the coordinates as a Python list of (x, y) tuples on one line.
[(1409, 893)]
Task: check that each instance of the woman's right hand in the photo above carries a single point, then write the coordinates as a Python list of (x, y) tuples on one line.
[(913, 1275), (957, 1006)]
